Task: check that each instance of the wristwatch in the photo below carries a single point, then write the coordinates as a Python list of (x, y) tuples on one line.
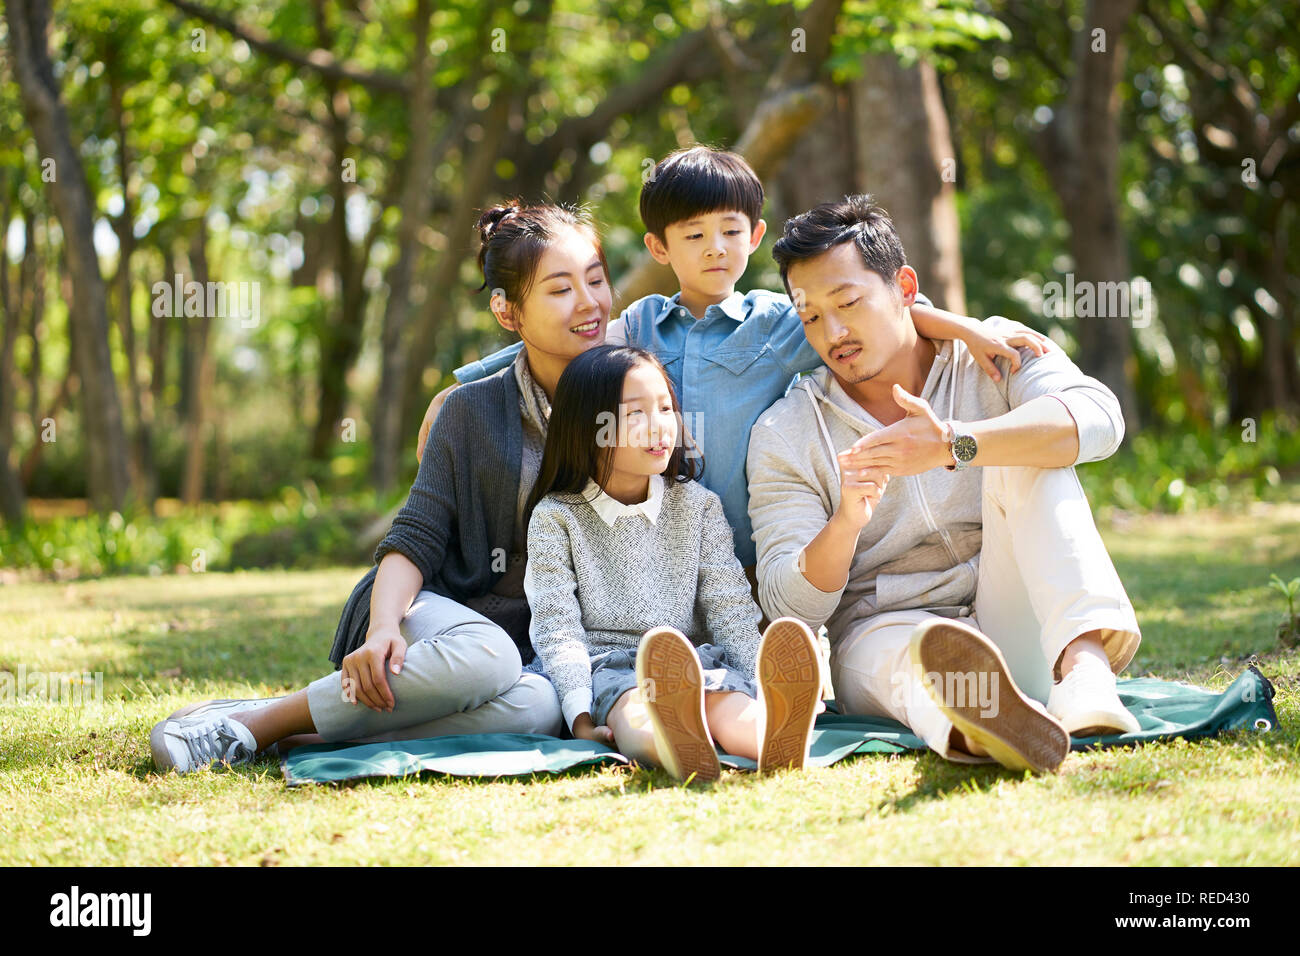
[(962, 444)]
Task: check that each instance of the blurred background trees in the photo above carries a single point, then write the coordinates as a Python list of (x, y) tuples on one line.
[(333, 153)]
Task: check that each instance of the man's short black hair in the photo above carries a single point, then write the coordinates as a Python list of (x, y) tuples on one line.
[(698, 180), (855, 219)]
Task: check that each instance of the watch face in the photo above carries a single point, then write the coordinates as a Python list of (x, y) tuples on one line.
[(964, 447)]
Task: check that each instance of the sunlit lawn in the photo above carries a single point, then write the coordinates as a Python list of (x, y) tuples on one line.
[(77, 785)]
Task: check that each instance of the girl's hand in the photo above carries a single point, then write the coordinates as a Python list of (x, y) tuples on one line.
[(364, 677), (986, 346), (585, 729)]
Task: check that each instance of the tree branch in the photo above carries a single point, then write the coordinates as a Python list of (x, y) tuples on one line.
[(783, 113), (322, 61)]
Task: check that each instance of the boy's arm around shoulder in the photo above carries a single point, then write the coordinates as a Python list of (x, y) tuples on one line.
[(430, 415), (488, 365), (1096, 411)]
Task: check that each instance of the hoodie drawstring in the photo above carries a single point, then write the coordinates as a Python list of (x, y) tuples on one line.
[(835, 458)]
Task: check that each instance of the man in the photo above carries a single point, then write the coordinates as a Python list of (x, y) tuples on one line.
[(931, 517)]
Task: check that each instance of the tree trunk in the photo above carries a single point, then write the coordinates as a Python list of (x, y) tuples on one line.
[(528, 36), (160, 327), (146, 477), (792, 100), (416, 197), (912, 176), (1283, 366), (32, 281), (477, 175), (200, 373), (1080, 149), (340, 340), (10, 316), (102, 431), (12, 503)]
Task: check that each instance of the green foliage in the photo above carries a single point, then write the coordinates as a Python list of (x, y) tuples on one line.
[(97, 545), (910, 28), (1288, 631), (303, 533), (1186, 470), (296, 530), (238, 141)]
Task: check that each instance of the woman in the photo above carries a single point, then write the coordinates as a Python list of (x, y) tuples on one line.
[(432, 641)]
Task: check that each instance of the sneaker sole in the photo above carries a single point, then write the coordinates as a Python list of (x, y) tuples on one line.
[(1018, 735), (162, 758), (1098, 723), (667, 663), (789, 671)]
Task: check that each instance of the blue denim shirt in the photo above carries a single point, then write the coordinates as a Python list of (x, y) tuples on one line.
[(727, 369)]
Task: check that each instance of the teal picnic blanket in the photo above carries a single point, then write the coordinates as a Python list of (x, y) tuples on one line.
[(1164, 709)]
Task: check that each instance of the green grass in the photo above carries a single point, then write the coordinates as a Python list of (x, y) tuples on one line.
[(77, 785)]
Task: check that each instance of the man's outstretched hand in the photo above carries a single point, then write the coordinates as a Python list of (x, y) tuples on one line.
[(907, 447)]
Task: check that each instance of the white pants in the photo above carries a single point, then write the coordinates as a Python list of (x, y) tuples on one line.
[(461, 675), (1044, 579)]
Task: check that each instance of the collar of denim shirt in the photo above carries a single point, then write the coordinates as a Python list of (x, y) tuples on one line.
[(733, 307)]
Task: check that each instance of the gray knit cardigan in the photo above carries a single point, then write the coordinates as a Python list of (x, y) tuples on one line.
[(460, 510)]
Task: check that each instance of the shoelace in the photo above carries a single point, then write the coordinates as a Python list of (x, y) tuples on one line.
[(209, 744)]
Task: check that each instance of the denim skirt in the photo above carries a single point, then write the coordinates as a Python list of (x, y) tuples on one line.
[(613, 674)]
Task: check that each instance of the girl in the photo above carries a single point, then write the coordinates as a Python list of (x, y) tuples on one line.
[(627, 553), (430, 642)]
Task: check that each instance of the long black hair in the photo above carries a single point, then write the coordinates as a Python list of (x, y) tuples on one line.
[(589, 392)]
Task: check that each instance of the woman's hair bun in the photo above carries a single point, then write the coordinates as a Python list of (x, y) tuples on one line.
[(493, 217), (515, 235)]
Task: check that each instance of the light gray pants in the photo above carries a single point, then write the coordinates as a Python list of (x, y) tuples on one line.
[(461, 676), (1044, 578)]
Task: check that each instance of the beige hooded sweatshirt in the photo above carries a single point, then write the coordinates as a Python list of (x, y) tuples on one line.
[(921, 548)]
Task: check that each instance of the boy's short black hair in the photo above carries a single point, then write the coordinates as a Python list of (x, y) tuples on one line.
[(855, 219), (697, 180)]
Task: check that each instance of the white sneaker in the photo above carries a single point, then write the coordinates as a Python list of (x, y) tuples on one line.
[(205, 710), (208, 708), (1086, 703), (186, 747)]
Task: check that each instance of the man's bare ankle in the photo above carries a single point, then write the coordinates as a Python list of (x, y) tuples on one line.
[(1088, 644), (961, 742)]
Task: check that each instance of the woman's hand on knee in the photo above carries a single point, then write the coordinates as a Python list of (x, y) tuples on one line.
[(584, 728), (363, 669)]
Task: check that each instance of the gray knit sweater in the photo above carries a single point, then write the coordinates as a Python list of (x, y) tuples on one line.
[(595, 586)]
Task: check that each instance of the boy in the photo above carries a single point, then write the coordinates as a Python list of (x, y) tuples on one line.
[(729, 355)]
